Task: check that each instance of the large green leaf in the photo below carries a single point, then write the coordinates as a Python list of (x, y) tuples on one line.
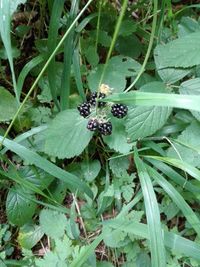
[(20, 206), (117, 70), (191, 87), (144, 121), (8, 105), (182, 52), (153, 215), (72, 182), (118, 140), (189, 137), (67, 135)]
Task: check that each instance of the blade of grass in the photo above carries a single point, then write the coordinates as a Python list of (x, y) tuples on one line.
[(177, 198), (72, 182), (153, 215), (68, 55), (155, 99), (194, 172), (51, 44), (44, 68), (174, 176), (26, 69), (77, 73), (5, 29)]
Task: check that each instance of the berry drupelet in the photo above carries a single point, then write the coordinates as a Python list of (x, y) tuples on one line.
[(92, 125), (105, 128), (92, 99), (84, 109), (119, 110)]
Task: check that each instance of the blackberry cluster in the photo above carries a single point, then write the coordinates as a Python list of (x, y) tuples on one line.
[(92, 99), (100, 123), (105, 128), (119, 111)]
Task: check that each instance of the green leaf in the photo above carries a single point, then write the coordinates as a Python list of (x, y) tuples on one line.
[(168, 75), (117, 70), (67, 135), (29, 235), (124, 45), (182, 52), (153, 216), (90, 170), (178, 199), (191, 87), (183, 165), (118, 140), (8, 105), (144, 121), (53, 223), (37, 177), (189, 137), (173, 241), (20, 206), (71, 180)]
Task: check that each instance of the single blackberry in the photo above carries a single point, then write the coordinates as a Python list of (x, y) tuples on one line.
[(93, 125), (93, 98), (119, 110), (105, 128), (84, 109)]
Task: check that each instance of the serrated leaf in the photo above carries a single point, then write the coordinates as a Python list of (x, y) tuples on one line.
[(67, 135), (180, 53), (117, 70), (191, 87), (29, 236), (190, 137), (118, 140), (8, 106), (144, 121), (53, 223), (20, 206)]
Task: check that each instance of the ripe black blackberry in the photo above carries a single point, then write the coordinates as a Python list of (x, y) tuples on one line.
[(84, 109), (105, 128), (93, 125), (119, 110), (92, 99)]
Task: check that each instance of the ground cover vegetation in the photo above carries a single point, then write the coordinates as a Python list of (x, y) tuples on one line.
[(99, 133)]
